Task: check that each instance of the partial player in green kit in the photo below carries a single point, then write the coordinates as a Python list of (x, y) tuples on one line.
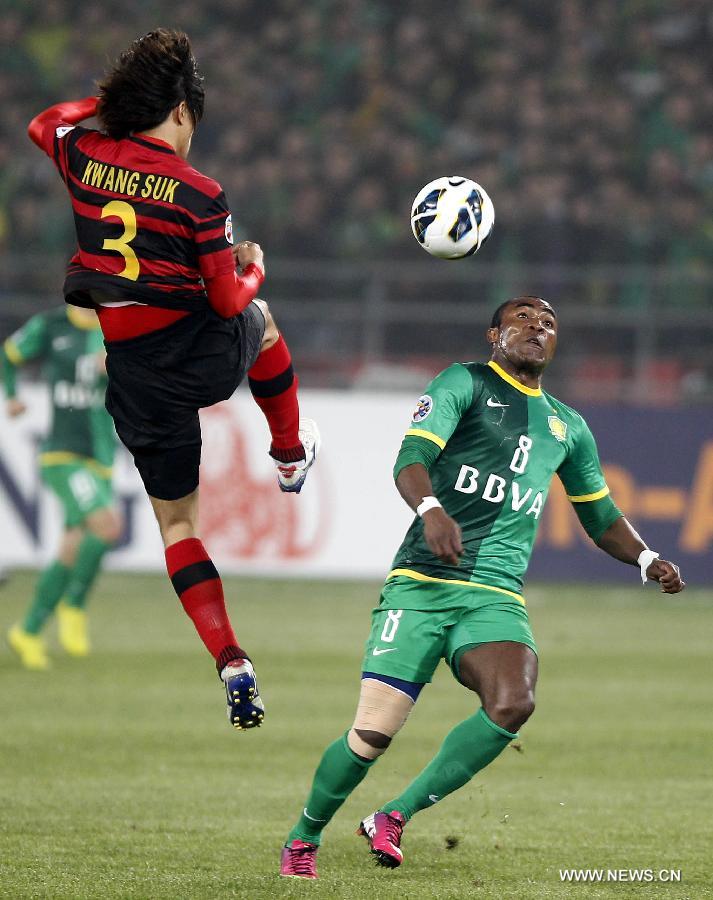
[(76, 461), (475, 465)]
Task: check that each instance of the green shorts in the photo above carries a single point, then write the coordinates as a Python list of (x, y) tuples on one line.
[(419, 623), (80, 488)]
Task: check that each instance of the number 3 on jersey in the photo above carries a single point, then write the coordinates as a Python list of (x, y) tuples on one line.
[(124, 211)]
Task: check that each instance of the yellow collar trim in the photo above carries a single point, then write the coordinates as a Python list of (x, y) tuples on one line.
[(79, 321), (531, 392)]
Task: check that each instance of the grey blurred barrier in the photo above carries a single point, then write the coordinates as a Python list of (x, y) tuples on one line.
[(629, 334)]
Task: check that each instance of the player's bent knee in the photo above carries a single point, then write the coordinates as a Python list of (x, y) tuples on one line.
[(271, 335), (511, 711), (374, 739), (69, 546), (367, 744), (381, 713), (107, 527)]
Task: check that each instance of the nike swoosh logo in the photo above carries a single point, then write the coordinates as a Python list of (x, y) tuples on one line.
[(434, 798), (312, 818), (494, 403), (378, 651)]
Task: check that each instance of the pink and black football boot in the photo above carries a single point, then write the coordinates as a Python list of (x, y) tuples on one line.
[(299, 860), (383, 833)]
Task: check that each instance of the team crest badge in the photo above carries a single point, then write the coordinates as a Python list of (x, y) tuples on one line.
[(62, 130), (558, 428), (423, 408), (229, 229)]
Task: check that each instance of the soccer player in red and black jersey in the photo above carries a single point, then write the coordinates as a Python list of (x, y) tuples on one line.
[(182, 326)]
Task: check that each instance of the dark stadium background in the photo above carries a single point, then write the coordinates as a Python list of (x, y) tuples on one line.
[(589, 124)]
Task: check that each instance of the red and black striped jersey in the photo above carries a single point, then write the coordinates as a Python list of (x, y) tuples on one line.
[(149, 227)]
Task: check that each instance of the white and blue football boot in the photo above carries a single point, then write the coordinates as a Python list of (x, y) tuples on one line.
[(245, 707), (291, 476)]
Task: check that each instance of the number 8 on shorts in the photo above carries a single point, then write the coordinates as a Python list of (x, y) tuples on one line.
[(390, 625)]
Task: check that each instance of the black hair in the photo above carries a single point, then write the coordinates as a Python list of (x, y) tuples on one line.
[(497, 318), (152, 77)]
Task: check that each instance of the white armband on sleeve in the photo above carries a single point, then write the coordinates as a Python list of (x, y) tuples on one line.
[(646, 557), (426, 504)]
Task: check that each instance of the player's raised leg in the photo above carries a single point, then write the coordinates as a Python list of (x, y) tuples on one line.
[(382, 710), (102, 529), (503, 674), (200, 590), (273, 383)]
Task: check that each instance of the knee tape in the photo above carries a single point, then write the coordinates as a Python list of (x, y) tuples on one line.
[(381, 708)]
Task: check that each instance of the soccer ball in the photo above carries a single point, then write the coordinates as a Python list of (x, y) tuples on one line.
[(452, 217)]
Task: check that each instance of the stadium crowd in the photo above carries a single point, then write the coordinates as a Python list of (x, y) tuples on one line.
[(590, 124)]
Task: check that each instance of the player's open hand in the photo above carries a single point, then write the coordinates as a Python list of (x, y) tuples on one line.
[(246, 252), (14, 408), (667, 575), (442, 535)]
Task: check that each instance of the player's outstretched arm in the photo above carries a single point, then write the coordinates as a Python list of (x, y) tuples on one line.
[(43, 126), (442, 533), (622, 542)]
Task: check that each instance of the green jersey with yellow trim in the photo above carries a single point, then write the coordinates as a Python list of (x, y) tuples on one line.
[(492, 446), (69, 349)]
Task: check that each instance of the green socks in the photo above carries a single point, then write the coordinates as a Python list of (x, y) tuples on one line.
[(467, 749), (340, 770), (50, 586), (86, 568), (72, 583)]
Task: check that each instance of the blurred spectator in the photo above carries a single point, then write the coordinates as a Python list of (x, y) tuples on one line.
[(591, 124)]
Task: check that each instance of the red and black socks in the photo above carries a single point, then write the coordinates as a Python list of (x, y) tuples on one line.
[(273, 384), (197, 583)]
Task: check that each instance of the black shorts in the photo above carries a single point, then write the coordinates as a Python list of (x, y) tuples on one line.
[(159, 381)]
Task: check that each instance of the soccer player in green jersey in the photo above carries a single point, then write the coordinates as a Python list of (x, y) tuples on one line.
[(76, 459), (476, 465)]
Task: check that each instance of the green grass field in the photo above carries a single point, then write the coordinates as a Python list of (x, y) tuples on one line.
[(119, 776)]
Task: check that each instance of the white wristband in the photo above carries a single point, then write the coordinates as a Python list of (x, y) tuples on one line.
[(426, 504), (646, 557)]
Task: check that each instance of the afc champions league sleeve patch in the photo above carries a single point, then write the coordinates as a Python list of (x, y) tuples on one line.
[(558, 428), (229, 229), (423, 409)]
